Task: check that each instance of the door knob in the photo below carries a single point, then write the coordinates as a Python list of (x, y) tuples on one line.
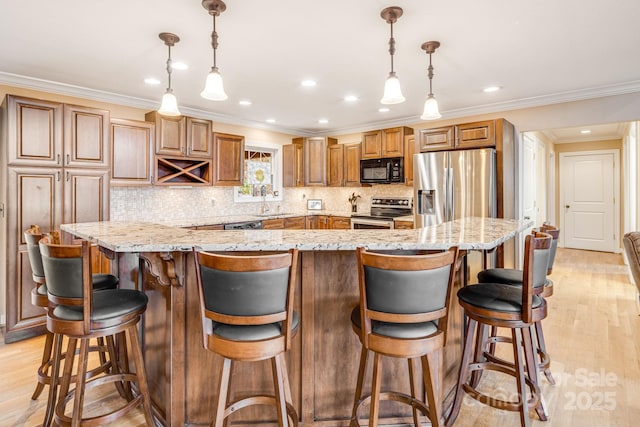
[(567, 206)]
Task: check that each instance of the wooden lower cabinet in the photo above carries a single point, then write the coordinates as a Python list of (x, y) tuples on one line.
[(273, 224), (295, 223), (340, 222), (210, 227), (403, 225)]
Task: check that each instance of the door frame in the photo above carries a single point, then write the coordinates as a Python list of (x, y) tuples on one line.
[(616, 192)]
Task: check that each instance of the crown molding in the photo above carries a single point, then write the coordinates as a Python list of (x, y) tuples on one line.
[(142, 103)]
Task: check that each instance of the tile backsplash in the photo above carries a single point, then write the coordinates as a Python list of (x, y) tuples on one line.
[(164, 203)]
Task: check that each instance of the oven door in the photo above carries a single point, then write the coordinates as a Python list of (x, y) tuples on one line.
[(366, 223)]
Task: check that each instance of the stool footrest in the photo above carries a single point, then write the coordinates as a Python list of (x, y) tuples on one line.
[(391, 395), (260, 400)]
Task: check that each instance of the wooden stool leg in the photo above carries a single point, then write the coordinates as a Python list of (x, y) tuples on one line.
[(287, 386), (67, 373), (223, 389), (516, 336), (481, 338), (364, 358), (543, 347), (463, 372), (412, 384), (281, 400), (55, 375), (376, 381), (532, 369), (43, 370), (141, 374), (123, 387), (81, 378), (433, 380)]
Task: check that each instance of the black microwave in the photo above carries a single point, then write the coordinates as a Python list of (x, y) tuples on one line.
[(382, 171)]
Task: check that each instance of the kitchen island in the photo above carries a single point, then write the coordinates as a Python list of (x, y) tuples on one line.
[(323, 361)]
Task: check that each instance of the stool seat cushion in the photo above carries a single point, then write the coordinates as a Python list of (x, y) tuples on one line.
[(107, 304), (509, 276), (252, 332), (396, 330), (496, 297), (104, 281)]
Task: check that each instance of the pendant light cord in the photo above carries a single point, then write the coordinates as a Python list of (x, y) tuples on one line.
[(214, 41), (430, 69), (169, 68), (392, 46)]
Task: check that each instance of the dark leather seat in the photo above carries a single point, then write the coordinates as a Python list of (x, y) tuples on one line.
[(517, 308), (80, 313), (403, 312), (247, 307)]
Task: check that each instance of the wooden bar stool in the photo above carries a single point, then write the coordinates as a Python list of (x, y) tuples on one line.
[(80, 314), (510, 276), (39, 298), (247, 315), (403, 313), (506, 306)]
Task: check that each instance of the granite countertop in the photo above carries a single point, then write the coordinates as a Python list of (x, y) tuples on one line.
[(230, 219), (467, 233)]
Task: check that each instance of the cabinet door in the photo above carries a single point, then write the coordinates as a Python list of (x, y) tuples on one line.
[(372, 145), (340, 222), (33, 198), (352, 165), (86, 136), (311, 222), (228, 158), (132, 152), (86, 195), (34, 132), (273, 224), (335, 165), (403, 225), (199, 138), (315, 160), (170, 133), (292, 165), (436, 139), (476, 135), (393, 142), (295, 223), (409, 150)]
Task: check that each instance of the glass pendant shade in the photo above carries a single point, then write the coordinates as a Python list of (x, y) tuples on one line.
[(392, 91), (214, 88), (431, 111), (169, 106)]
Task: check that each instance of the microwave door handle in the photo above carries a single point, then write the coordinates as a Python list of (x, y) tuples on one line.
[(388, 171)]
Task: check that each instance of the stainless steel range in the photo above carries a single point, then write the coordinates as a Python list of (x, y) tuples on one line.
[(383, 211)]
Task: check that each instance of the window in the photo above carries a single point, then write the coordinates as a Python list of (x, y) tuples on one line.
[(262, 174)]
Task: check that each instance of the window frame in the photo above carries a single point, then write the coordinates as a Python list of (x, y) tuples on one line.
[(276, 168)]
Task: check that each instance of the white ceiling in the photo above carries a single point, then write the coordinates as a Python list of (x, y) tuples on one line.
[(596, 133), (539, 52)]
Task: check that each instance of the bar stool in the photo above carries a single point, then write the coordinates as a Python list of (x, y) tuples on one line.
[(517, 308), (247, 315), (510, 276), (78, 313), (39, 298), (403, 313)]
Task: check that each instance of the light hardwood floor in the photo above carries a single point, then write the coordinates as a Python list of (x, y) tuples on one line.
[(592, 332)]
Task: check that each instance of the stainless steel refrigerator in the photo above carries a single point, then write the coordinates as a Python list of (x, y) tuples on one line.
[(450, 185)]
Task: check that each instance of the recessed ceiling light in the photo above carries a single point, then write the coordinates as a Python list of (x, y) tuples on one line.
[(245, 102), (152, 81), (270, 120), (491, 89), (585, 131), (308, 83), (323, 121), (383, 110), (351, 98), (179, 65)]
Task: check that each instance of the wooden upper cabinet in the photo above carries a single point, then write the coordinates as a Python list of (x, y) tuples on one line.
[(86, 137), (437, 139), (335, 165), (132, 152), (86, 195), (170, 134), (409, 150), (352, 165), (228, 154), (393, 141), (199, 138), (293, 165), (372, 144), (34, 131), (315, 160), (476, 135)]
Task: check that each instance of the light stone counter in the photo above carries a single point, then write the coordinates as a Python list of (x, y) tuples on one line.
[(230, 219), (468, 233)]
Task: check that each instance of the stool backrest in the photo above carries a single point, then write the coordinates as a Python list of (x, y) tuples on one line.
[(555, 234), (405, 288), (32, 236), (247, 290), (67, 269), (632, 249), (534, 273)]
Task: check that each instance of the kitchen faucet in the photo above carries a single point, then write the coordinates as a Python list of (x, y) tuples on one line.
[(263, 192)]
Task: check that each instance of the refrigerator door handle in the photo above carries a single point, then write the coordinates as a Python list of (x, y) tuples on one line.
[(451, 199)]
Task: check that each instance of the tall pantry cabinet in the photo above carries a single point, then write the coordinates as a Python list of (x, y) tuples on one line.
[(54, 164)]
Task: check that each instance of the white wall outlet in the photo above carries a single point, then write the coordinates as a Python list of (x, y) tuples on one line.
[(213, 202)]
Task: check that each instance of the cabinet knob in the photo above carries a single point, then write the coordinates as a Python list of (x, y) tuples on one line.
[(68, 159), (58, 159)]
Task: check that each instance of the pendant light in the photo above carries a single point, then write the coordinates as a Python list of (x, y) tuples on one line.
[(392, 91), (169, 105), (431, 111), (214, 88)]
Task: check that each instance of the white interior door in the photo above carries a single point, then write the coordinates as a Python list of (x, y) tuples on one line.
[(589, 194)]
